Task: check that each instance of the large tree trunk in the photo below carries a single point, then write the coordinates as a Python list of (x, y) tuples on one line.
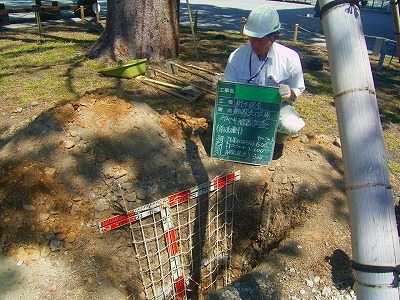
[(139, 29)]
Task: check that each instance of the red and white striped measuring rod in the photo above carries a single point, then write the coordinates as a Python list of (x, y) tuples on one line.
[(172, 200)]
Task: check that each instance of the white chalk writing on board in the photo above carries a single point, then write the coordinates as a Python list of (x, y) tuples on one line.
[(245, 123)]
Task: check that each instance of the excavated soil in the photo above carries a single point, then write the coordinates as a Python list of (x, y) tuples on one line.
[(63, 173)]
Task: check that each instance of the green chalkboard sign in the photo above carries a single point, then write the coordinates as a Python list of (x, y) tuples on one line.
[(245, 123)]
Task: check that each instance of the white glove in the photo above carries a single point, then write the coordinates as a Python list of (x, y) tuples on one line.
[(285, 92), (216, 79)]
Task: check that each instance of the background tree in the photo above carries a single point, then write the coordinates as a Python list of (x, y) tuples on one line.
[(139, 29)]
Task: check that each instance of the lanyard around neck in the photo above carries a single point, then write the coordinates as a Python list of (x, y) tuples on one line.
[(259, 70)]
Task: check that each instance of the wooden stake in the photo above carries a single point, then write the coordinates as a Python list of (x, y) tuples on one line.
[(36, 9), (191, 26), (165, 89), (196, 19), (296, 29), (166, 84), (97, 13), (202, 69), (243, 22), (180, 80), (82, 14), (191, 71)]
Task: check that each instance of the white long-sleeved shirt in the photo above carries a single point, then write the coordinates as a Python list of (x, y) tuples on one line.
[(281, 66)]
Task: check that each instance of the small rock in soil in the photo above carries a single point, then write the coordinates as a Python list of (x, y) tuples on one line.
[(141, 193), (86, 148), (56, 245), (28, 207), (18, 110), (50, 172), (68, 144), (120, 173), (304, 139), (102, 205), (101, 157)]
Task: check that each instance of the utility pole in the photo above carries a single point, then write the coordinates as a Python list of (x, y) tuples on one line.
[(374, 236)]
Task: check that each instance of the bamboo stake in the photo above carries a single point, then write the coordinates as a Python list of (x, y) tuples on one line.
[(375, 242)]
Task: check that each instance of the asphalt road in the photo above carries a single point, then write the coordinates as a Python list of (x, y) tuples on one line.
[(225, 15)]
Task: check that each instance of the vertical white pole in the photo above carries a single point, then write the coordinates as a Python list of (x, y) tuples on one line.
[(375, 241)]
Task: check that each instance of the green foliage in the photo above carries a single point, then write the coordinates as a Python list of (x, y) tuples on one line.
[(394, 167)]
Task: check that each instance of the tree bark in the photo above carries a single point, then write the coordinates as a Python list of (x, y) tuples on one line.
[(139, 29)]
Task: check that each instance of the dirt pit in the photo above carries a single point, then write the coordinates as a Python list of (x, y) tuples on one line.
[(61, 175)]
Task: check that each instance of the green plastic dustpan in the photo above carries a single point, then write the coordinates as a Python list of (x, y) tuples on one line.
[(127, 69)]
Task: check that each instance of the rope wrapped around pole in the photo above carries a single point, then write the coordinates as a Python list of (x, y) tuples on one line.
[(374, 235)]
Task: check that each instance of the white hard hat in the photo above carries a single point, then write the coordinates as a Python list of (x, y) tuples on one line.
[(262, 21)]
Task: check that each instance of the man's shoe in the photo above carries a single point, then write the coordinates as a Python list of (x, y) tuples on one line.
[(278, 150)]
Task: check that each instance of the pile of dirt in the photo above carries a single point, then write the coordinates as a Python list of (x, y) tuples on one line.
[(69, 168)]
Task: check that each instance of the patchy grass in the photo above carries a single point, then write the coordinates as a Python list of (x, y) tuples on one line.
[(56, 70)]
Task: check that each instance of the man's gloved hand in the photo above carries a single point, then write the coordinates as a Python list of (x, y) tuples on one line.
[(216, 79), (285, 92)]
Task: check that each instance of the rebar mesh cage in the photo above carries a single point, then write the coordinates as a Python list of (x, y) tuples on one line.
[(183, 242)]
